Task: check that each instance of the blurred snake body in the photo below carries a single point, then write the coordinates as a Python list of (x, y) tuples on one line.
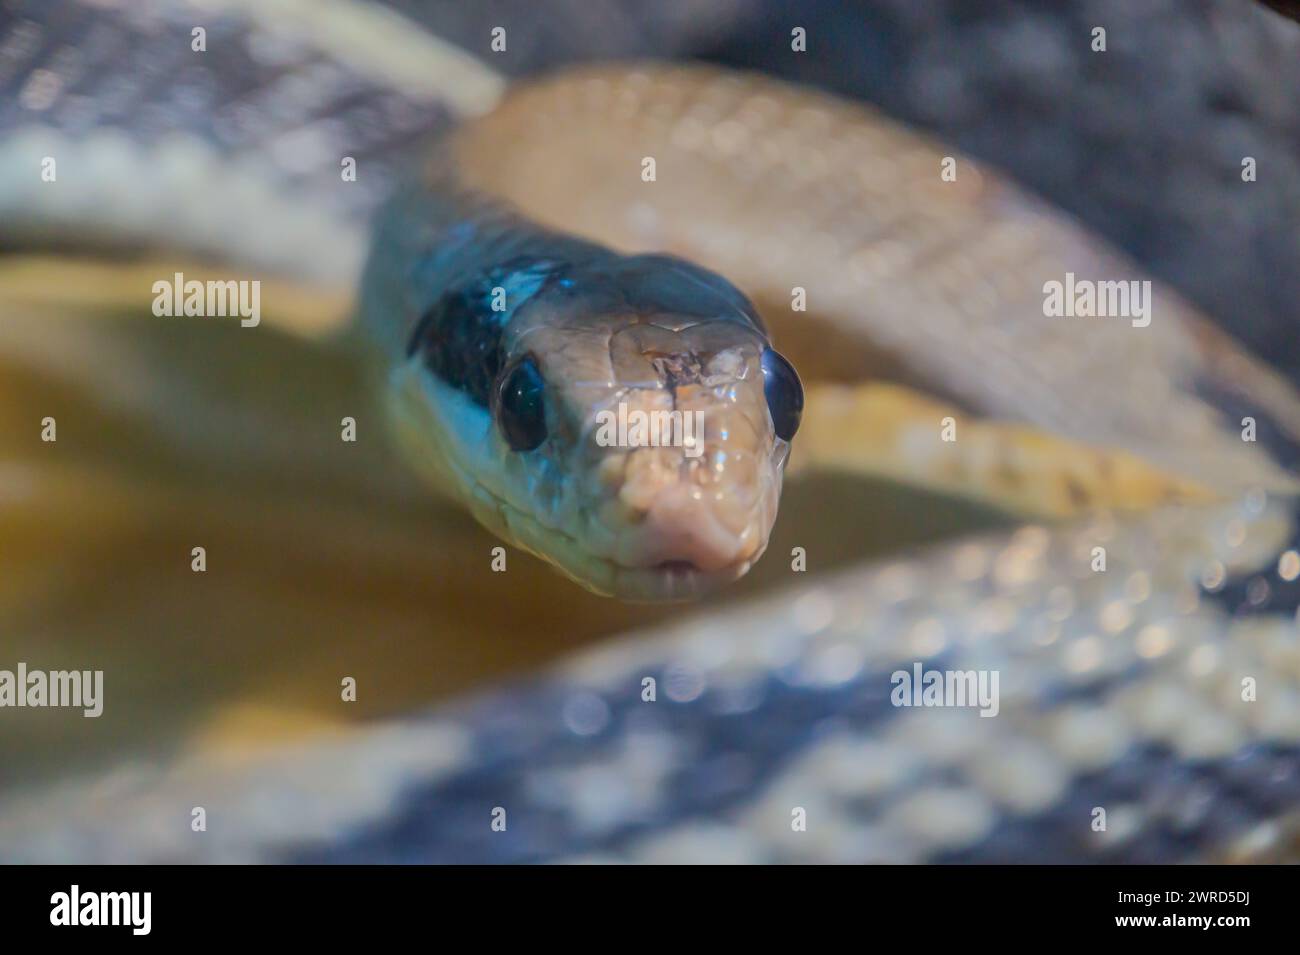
[(523, 274)]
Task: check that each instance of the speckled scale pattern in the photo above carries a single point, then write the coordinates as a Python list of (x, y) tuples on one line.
[(253, 92), (1119, 690), (1134, 712), (245, 138)]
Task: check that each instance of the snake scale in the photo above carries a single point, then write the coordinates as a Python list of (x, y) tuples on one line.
[(771, 733)]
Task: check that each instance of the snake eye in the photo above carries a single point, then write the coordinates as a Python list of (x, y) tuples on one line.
[(784, 394), (521, 412)]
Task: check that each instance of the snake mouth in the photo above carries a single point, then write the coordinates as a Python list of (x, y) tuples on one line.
[(676, 566), (674, 580), (666, 581)]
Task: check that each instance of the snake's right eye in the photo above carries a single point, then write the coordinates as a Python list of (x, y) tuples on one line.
[(521, 409)]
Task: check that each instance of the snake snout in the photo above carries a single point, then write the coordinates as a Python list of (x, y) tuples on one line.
[(682, 528), (680, 513)]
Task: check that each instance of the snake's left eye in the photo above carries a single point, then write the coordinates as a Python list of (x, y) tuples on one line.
[(784, 394), (521, 409)]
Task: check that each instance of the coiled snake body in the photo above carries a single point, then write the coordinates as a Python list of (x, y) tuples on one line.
[(561, 252)]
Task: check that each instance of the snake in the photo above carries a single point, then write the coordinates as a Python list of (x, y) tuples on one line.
[(501, 406), (830, 293)]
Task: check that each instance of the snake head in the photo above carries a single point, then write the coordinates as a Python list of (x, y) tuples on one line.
[(673, 452), (633, 432)]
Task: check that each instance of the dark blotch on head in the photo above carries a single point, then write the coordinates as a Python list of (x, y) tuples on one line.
[(459, 337)]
